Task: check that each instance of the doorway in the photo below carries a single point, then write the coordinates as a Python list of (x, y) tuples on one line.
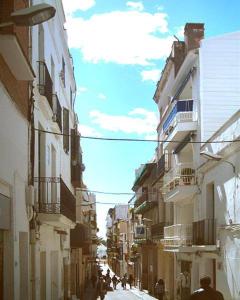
[(1, 263)]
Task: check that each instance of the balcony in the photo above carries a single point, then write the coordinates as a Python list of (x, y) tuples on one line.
[(180, 121), (77, 166), (80, 236), (177, 236), (157, 231), (56, 204), (145, 206), (141, 198), (204, 235), (57, 111), (45, 84), (180, 183)]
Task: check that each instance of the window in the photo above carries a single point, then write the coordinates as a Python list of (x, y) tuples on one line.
[(53, 74), (62, 74), (41, 43), (66, 130)]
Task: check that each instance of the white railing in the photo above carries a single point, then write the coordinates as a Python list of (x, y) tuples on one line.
[(180, 117), (182, 174), (178, 235)]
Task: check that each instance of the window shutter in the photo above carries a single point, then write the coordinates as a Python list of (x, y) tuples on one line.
[(66, 130)]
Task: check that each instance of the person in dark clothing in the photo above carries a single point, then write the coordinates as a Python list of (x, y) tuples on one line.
[(124, 281), (160, 289), (206, 292), (115, 281), (101, 288), (130, 280)]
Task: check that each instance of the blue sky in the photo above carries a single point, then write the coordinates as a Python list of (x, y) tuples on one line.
[(119, 49)]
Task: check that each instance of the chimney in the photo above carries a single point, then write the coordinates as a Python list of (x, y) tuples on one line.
[(193, 34), (178, 55)]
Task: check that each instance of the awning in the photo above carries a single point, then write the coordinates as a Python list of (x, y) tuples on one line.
[(182, 86)]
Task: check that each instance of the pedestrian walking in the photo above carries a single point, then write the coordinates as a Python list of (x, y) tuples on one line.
[(115, 281), (101, 288), (124, 281), (206, 292), (130, 280), (160, 289), (108, 281)]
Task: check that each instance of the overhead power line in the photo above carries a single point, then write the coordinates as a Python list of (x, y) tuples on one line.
[(138, 140), (99, 202), (107, 193)]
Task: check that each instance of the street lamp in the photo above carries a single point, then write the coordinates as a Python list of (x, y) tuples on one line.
[(31, 16), (215, 157)]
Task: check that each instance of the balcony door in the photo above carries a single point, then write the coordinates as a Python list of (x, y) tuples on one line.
[(41, 43), (210, 212), (53, 175), (210, 203), (42, 190)]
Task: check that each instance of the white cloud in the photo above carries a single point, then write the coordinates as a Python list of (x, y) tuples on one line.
[(102, 96), (160, 7), (123, 37), (152, 75), (81, 89), (135, 5), (139, 121), (86, 130), (70, 6), (151, 137), (180, 32)]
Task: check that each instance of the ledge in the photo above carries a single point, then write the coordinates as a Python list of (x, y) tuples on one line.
[(13, 54)]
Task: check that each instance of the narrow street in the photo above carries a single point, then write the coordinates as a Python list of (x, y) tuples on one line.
[(128, 294)]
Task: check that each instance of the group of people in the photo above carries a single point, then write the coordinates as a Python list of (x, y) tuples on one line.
[(126, 280), (206, 292), (102, 283)]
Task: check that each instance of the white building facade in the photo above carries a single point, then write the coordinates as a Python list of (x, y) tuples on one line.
[(16, 76), (220, 187), (57, 168), (197, 93)]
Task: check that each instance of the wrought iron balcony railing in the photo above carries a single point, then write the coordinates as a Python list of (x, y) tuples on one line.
[(54, 197), (45, 84)]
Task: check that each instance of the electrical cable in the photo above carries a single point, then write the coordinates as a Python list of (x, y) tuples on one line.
[(138, 140), (107, 193), (99, 202)]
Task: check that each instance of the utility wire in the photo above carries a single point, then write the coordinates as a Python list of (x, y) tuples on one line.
[(107, 193), (138, 140), (99, 202)]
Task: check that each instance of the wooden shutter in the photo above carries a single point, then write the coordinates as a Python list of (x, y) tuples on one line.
[(66, 130)]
